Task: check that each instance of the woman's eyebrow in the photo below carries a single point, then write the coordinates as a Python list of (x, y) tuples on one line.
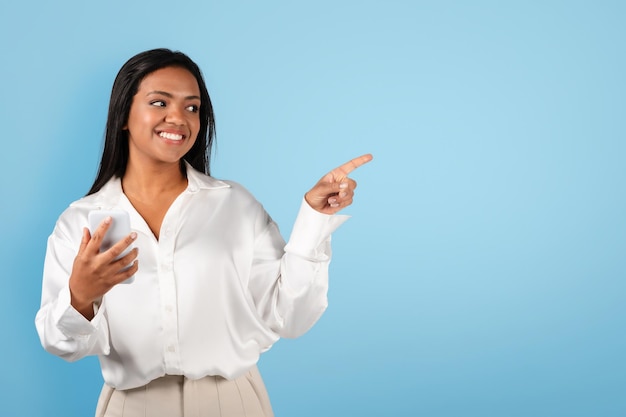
[(170, 95)]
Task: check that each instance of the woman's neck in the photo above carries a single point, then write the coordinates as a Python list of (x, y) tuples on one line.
[(149, 182)]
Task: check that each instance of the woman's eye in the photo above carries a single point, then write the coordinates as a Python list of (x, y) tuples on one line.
[(157, 103), (193, 108)]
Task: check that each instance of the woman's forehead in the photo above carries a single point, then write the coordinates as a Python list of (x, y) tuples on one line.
[(172, 80)]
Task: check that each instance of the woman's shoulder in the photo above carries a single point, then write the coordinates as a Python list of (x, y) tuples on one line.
[(238, 198), (200, 181), (238, 194), (74, 217)]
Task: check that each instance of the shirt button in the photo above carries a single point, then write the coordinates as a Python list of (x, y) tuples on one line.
[(171, 349), (168, 308)]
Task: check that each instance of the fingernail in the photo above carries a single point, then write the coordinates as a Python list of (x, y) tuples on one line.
[(332, 200), (342, 195), (133, 235), (107, 219), (343, 185), (334, 205)]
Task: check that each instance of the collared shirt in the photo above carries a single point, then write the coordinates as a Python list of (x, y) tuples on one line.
[(216, 289)]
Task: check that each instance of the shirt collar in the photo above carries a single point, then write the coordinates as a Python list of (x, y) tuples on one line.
[(197, 180), (111, 193)]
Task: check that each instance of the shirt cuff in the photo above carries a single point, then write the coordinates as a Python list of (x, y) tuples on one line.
[(310, 230), (70, 321)]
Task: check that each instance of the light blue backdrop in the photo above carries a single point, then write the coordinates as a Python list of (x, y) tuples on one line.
[(482, 273)]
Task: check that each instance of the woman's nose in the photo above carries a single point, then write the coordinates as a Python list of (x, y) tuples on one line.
[(175, 115)]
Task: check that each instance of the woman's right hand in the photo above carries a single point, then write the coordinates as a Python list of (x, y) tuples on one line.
[(94, 273)]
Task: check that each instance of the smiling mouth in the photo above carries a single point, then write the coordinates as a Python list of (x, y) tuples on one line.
[(171, 136)]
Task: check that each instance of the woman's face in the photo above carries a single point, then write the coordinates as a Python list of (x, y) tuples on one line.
[(164, 117)]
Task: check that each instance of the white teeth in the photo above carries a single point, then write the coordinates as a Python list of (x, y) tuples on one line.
[(170, 136)]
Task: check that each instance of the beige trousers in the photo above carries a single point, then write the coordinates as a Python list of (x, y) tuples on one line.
[(177, 396)]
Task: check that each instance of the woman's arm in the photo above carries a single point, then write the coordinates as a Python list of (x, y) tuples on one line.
[(291, 303), (71, 321)]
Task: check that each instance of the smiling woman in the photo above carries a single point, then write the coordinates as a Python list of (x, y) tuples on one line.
[(215, 285), (163, 121)]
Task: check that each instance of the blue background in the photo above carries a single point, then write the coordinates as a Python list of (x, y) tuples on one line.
[(482, 273)]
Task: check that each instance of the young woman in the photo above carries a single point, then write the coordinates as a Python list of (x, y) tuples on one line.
[(214, 283)]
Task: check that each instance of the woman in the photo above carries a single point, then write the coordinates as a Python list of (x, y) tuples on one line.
[(214, 283)]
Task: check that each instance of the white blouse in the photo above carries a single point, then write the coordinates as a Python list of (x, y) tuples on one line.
[(217, 289)]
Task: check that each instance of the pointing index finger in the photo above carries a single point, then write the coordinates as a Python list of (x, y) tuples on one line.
[(343, 171)]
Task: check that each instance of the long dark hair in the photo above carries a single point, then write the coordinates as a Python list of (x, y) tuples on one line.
[(115, 152)]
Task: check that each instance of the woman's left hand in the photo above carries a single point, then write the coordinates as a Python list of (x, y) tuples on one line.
[(335, 190)]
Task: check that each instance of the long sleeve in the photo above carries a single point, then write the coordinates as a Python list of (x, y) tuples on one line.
[(63, 331), (297, 299)]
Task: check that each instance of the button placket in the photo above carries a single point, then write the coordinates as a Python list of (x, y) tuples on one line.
[(167, 282)]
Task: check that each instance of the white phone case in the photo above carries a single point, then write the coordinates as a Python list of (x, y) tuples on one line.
[(119, 229)]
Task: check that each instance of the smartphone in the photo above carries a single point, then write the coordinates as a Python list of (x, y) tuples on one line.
[(119, 229)]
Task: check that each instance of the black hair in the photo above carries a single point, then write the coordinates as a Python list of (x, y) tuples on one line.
[(115, 153)]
